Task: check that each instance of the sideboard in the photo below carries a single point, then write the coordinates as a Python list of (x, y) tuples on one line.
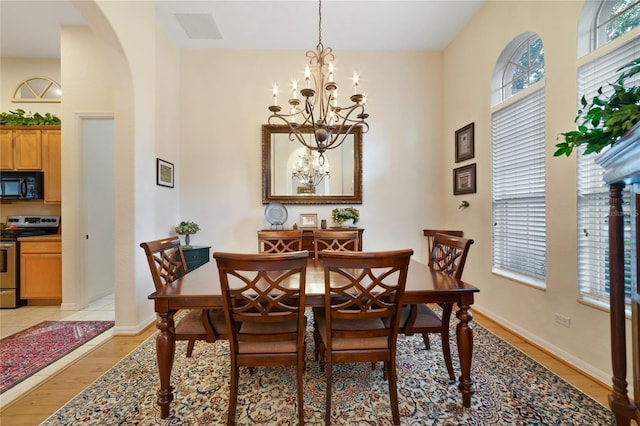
[(307, 237), (195, 256), (621, 164)]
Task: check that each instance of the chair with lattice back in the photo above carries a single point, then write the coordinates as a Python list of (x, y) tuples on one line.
[(279, 241), (264, 303), (358, 322), (167, 263), (448, 254), (329, 239)]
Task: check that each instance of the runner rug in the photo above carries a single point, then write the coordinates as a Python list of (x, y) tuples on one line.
[(511, 389), (24, 353)]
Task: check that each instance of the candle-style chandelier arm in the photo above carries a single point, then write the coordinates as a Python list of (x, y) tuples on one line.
[(330, 122)]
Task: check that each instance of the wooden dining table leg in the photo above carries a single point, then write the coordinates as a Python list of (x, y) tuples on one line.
[(165, 349), (464, 335)]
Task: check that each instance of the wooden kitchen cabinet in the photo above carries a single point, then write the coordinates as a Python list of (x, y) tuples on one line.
[(52, 165), (21, 148), (6, 150), (41, 268)]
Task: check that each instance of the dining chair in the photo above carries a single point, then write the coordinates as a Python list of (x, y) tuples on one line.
[(279, 241), (167, 263), (448, 254), (360, 319), (263, 297), (328, 239), (431, 233)]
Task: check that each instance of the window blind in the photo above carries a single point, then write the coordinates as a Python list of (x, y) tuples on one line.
[(593, 194), (518, 187)]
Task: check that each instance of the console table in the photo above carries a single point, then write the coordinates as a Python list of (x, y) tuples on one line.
[(621, 164), (307, 237), (196, 256)]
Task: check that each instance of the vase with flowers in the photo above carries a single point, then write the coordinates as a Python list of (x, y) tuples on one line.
[(345, 216), (187, 228)]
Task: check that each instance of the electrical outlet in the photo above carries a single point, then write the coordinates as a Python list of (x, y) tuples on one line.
[(561, 319)]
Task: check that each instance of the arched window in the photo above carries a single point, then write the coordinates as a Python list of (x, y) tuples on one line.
[(607, 22), (518, 170), (37, 89), (604, 21)]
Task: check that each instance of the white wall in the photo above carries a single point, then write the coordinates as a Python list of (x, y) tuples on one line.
[(468, 65), (224, 97), (87, 89)]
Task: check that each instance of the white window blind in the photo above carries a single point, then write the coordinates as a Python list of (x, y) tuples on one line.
[(593, 194), (518, 187)]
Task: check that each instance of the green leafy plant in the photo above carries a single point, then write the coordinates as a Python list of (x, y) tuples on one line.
[(605, 120), (340, 215), (187, 227), (21, 118)]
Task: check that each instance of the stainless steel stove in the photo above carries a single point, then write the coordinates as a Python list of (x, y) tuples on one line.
[(16, 227)]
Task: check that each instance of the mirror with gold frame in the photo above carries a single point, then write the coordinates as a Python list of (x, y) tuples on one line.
[(280, 153)]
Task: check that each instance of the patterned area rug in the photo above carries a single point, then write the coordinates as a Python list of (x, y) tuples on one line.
[(511, 389), (24, 353)]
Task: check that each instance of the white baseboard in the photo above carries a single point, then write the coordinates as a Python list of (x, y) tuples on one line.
[(601, 376), (136, 329)]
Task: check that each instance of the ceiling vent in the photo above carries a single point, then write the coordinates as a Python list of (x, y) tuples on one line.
[(199, 26)]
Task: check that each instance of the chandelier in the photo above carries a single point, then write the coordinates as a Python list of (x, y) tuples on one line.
[(331, 123), (309, 171)]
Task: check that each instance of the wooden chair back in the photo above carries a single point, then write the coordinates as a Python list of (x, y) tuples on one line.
[(364, 285), (360, 319), (264, 304), (167, 263), (449, 254), (166, 260), (327, 239), (279, 241), (431, 233)]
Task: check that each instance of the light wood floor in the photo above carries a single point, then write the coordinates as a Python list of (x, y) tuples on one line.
[(46, 398)]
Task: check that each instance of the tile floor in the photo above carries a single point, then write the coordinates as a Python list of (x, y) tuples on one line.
[(14, 320)]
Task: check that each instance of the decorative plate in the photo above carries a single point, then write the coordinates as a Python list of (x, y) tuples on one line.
[(276, 213)]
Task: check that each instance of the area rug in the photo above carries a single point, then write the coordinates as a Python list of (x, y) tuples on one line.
[(511, 389), (24, 353)]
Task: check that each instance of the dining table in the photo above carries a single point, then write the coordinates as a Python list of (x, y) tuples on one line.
[(200, 289)]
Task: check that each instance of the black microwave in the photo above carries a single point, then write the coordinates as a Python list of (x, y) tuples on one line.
[(21, 186)]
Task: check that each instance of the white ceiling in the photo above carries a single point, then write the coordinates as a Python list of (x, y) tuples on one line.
[(31, 28)]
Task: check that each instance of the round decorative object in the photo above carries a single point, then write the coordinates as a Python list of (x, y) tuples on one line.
[(276, 214)]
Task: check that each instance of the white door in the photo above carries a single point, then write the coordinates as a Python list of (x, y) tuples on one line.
[(99, 174)]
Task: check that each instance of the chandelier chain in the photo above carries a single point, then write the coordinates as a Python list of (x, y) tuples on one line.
[(318, 107), (319, 22)]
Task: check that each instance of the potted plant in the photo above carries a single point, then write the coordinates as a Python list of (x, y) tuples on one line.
[(604, 121), (20, 117), (187, 228), (342, 215)]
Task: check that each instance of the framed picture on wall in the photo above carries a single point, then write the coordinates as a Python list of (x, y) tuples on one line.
[(464, 180), (464, 143), (309, 220), (164, 173)]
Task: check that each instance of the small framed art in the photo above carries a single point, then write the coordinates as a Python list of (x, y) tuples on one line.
[(464, 143), (164, 173), (464, 180), (308, 220)]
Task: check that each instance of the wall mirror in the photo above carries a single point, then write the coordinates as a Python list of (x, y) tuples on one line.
[(282, 157)]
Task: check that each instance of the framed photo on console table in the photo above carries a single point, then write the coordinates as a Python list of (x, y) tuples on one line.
[(308, 220), (164, 173), (464, 180), (464, 143)]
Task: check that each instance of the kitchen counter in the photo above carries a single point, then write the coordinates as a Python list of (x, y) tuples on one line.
[(38, 238)]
